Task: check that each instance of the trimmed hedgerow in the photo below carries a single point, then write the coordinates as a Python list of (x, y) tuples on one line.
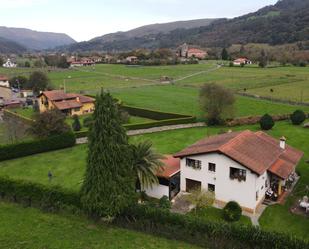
[(38, 195), (11, 151), (204, 233), (152, 114)]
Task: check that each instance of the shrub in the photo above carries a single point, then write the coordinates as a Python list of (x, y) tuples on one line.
[(267, 122), (232, 211), (38, 195), (201, 232), (11, 151), (76, 126), (88, 121), (298, 117), (164, 202)]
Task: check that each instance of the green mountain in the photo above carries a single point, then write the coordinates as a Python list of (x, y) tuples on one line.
[(285, 22)]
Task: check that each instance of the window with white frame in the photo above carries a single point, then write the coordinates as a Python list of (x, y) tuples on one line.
[(212, 167)]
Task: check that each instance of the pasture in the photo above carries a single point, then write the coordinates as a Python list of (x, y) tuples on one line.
[(68, 167), (30, 228)]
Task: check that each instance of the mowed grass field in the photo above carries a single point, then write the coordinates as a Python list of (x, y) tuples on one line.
[(288, 82), (68, 167), (29, 228), (185, 100)]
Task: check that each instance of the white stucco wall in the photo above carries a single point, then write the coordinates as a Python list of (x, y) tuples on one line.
[(157, 191), (226, 189)]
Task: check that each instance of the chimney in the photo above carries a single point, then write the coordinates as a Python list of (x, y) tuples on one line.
[(77, 99), (282, 143)]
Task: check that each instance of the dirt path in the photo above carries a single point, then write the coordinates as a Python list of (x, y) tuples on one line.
[(84, 140)]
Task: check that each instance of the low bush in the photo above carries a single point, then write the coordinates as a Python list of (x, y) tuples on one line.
[(267, 122), (298, 117), (62, 141), (38, 195), (232, 211), (88, 121), (204, 233), (76, 126), (164, 202)]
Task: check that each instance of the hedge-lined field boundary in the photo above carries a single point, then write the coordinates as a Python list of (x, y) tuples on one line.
[(160, 119), (31, 194), (15, 115), (27, 148), (203, 233), (151, 220)]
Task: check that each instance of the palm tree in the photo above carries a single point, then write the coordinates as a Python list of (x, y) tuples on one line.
[(146, 163)]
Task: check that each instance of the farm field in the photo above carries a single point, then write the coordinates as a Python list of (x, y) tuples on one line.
[(184, 100), (30, 228), (68, 167), (287, 82)]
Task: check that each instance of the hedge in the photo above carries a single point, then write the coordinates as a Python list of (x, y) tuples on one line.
[(38, 195), (152, 114), (11, 151), (204, 233)]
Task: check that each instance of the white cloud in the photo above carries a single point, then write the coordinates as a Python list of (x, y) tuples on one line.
[(19, 3)]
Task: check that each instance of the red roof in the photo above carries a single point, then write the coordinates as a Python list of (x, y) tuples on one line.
[(171, 167), (58, 95), (67, 104), (3, 78), (196, 50), (256, 151)]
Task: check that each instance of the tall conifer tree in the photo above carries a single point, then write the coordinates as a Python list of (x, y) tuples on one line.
[(109, 182)]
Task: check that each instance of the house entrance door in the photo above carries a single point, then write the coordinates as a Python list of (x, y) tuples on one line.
[(193, 185)]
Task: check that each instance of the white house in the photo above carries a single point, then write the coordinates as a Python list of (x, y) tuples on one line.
[(242, 61), (4, 81), (238, 166), (9, 64), (169, 179)]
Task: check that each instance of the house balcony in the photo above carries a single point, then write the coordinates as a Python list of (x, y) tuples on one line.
[(280, 189)]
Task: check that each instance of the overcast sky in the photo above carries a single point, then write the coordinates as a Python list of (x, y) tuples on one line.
[(85, 19)]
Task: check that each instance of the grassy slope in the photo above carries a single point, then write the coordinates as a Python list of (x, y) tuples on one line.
[(30, 228), (68, 167), (185, 100), (215, 214)]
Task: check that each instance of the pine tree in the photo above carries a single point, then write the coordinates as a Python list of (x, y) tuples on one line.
[(224, 55), (109, 182)]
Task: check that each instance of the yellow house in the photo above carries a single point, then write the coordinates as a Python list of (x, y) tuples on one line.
[(68, 103)]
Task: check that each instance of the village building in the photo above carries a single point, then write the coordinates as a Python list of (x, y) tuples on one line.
[(245, 167), (186, 51), (4, 81), (9, 64), (132, 59), (242, 61), (169, 179), (68, 103), (83, 62)]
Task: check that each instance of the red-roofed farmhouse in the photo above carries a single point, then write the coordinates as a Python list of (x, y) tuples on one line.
[(68, 103), (242, 166)]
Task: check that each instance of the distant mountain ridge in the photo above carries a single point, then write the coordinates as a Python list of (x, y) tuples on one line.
[(144, 36), (35, 40), (7, 46), (285, 22)]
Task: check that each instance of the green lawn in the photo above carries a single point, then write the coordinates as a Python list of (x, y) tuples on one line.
[(29, 228), (216, 215), (184, 100), (68, 166)]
